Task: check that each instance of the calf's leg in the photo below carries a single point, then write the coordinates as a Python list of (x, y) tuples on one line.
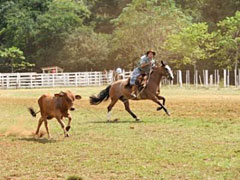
[(40, 121), (63, 126), (46, 126), (69, 122)]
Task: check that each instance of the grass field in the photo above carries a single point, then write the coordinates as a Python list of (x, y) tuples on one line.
[(201, 139)]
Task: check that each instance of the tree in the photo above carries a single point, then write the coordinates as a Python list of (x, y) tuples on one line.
[(40, 27), (103, 11), (54, 27), (144, 25), (209, 11), (191, 45), (12, 58), (229, 42), (85, 50)]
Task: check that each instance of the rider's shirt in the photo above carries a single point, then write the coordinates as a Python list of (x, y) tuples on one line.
[(144, 59)]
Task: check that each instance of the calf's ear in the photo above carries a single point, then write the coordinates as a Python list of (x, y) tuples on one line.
[(78, 97), (61, 94)]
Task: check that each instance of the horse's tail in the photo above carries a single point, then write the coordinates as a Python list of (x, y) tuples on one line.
[(103, 95), (32, 112)]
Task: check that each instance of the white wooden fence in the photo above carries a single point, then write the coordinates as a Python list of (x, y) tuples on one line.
[(223, 78), (35, 80)]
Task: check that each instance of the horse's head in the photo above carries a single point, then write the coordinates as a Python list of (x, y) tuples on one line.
[(165, 70)]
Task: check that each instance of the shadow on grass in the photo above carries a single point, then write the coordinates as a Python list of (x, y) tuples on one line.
[(42, 141), (114, 122)]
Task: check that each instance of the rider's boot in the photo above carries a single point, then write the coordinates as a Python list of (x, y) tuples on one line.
[(134, 91)]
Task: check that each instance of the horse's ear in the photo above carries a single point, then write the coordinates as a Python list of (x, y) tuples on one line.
[(163, 63)]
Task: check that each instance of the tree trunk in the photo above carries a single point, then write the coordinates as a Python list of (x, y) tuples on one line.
[(236, 67), (11, 65)]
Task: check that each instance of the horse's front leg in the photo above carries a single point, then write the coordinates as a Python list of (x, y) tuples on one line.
[(155, 99), (161, 98)]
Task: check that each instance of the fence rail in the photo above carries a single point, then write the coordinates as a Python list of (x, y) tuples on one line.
[(206, 78)]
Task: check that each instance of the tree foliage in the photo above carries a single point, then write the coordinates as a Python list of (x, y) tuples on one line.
[(100, 34), (228, 42), (191, 45), (145, 25), (13, 59), (85, 50)]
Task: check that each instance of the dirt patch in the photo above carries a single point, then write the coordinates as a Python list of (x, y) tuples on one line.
[(18, 131), (22, 132)]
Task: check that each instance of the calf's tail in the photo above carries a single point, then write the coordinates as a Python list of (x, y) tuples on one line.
[(103, 95), (32, 112)]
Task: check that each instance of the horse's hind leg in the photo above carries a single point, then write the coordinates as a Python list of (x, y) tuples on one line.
[(127, 108), (110, 106)]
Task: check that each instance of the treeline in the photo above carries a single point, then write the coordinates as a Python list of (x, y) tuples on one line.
[(84, 35)]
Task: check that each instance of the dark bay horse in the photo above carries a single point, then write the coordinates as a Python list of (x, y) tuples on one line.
[(120, 90)]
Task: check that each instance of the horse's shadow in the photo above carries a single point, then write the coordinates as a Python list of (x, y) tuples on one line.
[(121, 122), (38, 140), (115, 122)]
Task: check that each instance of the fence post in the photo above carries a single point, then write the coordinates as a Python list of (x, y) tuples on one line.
[(238, 77), (7, 81), (235, 77), (211, 80), (224, 78), (179, 77), (76, 76), (216, 77), (99, 78), (187, 77), (206, 77), (196, 78), (228, 78), (53, 80), (1, 81), (31, 85)]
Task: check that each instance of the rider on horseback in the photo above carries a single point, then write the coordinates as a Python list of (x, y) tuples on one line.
[(144, 67)]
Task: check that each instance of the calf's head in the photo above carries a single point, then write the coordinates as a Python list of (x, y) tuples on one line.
[(68, 99)]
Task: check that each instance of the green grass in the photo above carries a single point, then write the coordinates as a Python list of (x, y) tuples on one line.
[(201, 140)]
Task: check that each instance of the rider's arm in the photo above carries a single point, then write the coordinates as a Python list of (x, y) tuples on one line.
[(144, 62)]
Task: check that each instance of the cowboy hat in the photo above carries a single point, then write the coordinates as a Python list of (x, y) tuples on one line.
[(151, 52)]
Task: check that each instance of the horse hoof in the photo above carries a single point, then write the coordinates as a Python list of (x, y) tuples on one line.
[(168, 113), (137, 119), (66, 135), (115, 120), (159, 108), (67, 128)]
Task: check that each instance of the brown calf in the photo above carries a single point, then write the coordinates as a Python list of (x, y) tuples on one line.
[(55, 106)]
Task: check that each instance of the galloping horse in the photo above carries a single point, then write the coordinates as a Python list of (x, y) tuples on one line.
[(121, 90)]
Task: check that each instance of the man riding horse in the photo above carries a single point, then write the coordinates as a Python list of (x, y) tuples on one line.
[(119, 90), (144, 67)]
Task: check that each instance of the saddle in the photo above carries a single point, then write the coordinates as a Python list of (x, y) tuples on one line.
[(141, 82)]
